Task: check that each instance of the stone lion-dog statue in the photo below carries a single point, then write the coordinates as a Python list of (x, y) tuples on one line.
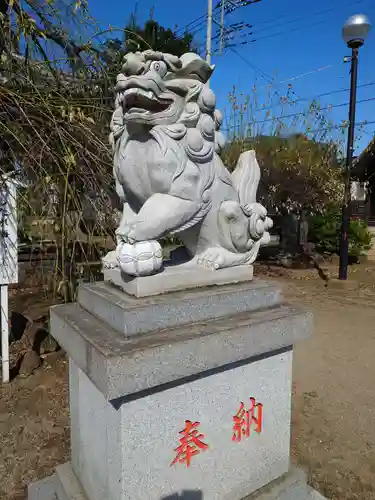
[(166, 139)]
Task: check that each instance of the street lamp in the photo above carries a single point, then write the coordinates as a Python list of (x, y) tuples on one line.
[(354, 33)]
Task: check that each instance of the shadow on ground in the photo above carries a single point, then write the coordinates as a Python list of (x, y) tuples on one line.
[(185, 495)]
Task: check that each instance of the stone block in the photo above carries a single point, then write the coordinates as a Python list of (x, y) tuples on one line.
[(125, 451), (121, 366), (67, 485), (291, 486), (132, 316), (44, 489), (132, 396), (177, 278)]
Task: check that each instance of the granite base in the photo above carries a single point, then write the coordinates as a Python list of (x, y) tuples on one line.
[(176, 278), (291, 486), (136, 384), (135, 438), (133, 316)]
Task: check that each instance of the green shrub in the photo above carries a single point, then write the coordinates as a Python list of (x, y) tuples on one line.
[(324, 231), (359, 238)]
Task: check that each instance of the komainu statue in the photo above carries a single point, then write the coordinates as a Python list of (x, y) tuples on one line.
[(165, 133)]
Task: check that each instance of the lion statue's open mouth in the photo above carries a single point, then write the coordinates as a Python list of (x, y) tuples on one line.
[(156, 89), (141, 101)]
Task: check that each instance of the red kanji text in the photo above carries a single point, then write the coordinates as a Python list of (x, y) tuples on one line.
[(191, 443), (245, 420)]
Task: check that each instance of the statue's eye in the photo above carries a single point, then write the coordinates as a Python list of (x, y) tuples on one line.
[(159, 67)]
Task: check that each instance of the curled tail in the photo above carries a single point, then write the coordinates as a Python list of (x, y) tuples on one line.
[(246, 177)]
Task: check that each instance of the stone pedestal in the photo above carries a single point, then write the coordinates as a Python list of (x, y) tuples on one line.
[(182, 395)]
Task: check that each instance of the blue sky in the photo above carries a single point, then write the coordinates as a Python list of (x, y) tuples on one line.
[(293, 38)]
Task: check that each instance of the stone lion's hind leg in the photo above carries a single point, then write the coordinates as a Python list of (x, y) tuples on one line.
[(213, 258), (218, 258), (160, 215)]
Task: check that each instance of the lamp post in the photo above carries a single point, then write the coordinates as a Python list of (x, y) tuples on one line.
[(354, 33)]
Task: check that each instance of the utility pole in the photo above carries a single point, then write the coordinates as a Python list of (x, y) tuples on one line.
[(209, 32), (222, 26)]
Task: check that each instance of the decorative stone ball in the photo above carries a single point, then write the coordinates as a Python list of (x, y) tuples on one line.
[(140, 259)]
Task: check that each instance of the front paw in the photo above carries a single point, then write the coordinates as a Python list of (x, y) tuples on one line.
[(109, 261), (125, 234), (142, 231)]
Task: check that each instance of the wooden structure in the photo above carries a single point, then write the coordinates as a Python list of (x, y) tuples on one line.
[(363, 172)]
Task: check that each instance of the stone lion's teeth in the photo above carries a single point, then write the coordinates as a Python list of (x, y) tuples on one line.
[(148, 94)]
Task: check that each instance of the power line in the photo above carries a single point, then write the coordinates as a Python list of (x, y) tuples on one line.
[(269, 79), (199, 23), (332, 127), (201, 20), (316, 96), (264, 75), (298, 28), (300, 99), (273, 35), (359, 124), (308, 73), (233, 5), (279, 18), (291, 115), (309, 15)]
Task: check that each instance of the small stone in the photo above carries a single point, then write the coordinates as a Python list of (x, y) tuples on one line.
[(30, 362), (343, 284), (286, 262), (33, 334), (36, 335), (48, 345)]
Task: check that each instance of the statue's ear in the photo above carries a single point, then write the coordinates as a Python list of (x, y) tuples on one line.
[(195, 68)]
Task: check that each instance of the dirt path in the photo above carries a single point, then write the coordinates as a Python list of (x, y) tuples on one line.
[(334, 402), (34, 427), (333, 406)]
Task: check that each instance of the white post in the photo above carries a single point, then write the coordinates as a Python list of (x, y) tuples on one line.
[(4, 333), (209, 32), (8, 260)]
